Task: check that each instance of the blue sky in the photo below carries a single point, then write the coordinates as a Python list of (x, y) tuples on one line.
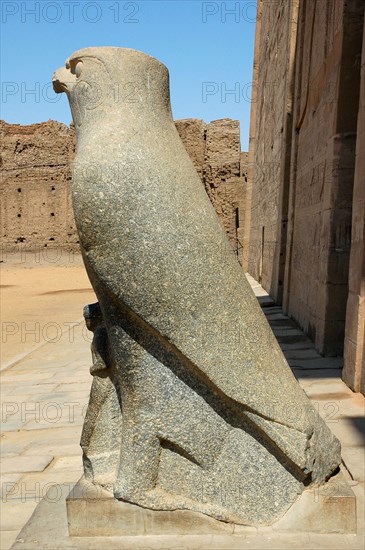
[(207, 47)]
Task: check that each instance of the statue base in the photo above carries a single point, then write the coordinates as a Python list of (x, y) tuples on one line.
[(92, 511), (48, 528)]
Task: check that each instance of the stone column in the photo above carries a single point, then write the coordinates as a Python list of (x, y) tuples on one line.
[(354, 356)]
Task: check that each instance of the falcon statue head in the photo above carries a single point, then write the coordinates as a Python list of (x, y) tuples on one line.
[(110, 81)]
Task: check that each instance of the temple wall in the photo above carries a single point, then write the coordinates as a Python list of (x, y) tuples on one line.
[(354, 353), (306, 237)]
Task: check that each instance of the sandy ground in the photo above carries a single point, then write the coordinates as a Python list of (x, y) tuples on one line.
[(41, 296)]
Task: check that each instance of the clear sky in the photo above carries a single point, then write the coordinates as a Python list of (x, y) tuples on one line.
[(207, 47)]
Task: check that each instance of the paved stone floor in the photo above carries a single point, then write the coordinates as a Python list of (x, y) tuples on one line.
[(44, 395)]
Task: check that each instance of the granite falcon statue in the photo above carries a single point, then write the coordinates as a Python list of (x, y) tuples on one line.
[(210, 416)]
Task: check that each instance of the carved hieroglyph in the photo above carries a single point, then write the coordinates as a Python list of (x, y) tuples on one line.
[(193, 405)]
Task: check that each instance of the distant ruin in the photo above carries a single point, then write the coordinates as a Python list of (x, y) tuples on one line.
[(37, 170)]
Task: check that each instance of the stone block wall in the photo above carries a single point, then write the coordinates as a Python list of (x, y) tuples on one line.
[(303, 139), (322, 169), (270, 137), (36, 166), (354, 353), (216, 153)]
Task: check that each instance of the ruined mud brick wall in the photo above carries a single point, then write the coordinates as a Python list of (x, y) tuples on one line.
[(303, 151), (36, 209), (216, 153), (36, 175)]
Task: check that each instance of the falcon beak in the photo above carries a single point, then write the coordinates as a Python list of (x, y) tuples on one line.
[(63, 80)]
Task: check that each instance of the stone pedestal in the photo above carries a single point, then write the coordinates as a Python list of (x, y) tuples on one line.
[(92, 511)]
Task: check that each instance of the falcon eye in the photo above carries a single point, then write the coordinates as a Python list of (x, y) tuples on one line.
[(78, 69)]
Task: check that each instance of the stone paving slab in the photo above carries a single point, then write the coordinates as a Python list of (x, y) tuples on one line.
[(317, 363), (350, 430), (15, 514), (317, 374), (7, 538), (56, 448), (7, 482), (353, 458), (54, 434), (35, 487), (309, 353), (24, 464), (301, 345)]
